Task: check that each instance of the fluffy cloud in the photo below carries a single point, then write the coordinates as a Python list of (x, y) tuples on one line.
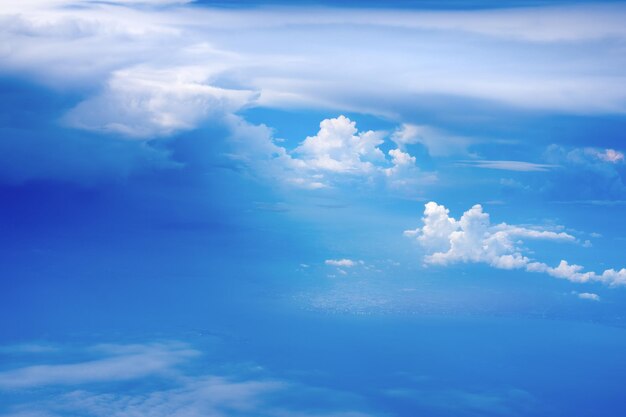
[(473, 239), (337, 153), (147, 102), (339, 147)]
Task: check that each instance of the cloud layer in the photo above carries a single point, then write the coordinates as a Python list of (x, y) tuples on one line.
[(162, 387), (538, 58)]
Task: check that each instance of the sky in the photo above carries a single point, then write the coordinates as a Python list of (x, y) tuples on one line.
[(315, 209)]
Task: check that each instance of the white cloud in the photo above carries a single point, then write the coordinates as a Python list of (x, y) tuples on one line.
[(473, 239), (439, 143), (147, 102), (259, 50), (337, 153), (119, 363), (184, 392), (339, 147), (342, 262), (589, 296)]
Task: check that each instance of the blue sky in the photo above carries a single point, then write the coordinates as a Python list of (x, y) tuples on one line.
[(319, 209)]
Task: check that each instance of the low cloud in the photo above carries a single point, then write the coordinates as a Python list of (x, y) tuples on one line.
[(473, 239), (338, 153)]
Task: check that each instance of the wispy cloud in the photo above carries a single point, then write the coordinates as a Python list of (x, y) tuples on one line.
[(509, 165), (117, 364), (184, 395), (209, 70)]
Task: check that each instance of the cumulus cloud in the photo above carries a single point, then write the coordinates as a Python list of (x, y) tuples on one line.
[(339, 147), (338, 152), (473, 239)]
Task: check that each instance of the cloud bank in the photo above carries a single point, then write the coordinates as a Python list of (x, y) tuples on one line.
[(562, 59)]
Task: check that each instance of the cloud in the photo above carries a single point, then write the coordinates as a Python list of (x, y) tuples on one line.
[(181, 392), (338, 153), (608, 155), (147, 71), (473, 239), (438, 142), (339, 147), (342, 262), (599, 174), (589, 296), (116, 59), (119, 363), (74, 157), (146, 102)]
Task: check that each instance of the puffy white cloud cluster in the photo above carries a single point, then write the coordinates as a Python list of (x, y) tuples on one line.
[(338, 151), (473, 239), (339, 147)]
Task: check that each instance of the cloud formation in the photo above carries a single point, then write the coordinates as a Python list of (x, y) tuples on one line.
[(168, 389), (117, 49), (473, 239), (339, 147), (116, 363), (147, 102), (338, 153)]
